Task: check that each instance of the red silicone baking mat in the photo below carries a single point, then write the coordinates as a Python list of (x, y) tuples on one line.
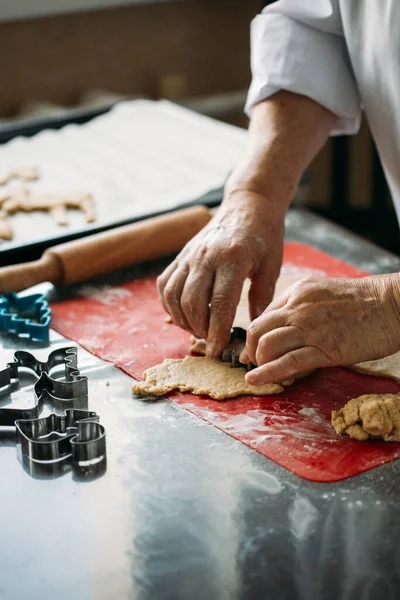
[(126, 326)]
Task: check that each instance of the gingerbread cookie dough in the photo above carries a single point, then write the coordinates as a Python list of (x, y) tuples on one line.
[(202, 376), (20, 199), (24, 173), (6, 232), (384, 367), (375, 416)]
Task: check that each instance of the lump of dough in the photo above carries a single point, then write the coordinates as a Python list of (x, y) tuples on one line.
[(370, 416), (202, 376)]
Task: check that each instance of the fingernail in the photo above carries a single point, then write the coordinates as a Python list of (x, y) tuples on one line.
[(244, 358)]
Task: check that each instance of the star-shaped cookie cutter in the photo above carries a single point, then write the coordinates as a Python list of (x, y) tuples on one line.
[(48, 440), (26, 315)]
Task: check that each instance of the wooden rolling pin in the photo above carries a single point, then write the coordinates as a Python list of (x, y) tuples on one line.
[(105, 252)]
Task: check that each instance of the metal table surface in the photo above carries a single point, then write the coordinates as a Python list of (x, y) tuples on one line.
[(186, 512)]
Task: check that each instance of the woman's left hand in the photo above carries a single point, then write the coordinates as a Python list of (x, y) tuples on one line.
[(324, 322)]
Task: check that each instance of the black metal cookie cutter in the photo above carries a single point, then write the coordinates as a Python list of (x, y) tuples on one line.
[(233, 350), (49, 440)]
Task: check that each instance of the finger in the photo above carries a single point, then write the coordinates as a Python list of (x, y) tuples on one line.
[(244, 358), (261, 292), (195, 300), (224, 300), (278, 342), (172, 296), (162, 281), (259, 327), (287, 366)]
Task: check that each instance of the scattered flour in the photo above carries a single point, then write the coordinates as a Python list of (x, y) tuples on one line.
[(105, 294)]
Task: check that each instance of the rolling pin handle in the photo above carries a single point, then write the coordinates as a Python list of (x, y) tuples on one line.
[(102, 253), (16, 278)]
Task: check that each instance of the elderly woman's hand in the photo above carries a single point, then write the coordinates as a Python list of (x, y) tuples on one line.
[(322, 322), (201, 288)]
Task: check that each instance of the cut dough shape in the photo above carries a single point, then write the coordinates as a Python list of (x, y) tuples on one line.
[(375, 416), (202, 376), (20, 199), (24, 173)]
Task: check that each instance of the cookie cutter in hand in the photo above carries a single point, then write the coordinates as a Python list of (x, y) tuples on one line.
[(26, 315), (87, 442), (233, 350)]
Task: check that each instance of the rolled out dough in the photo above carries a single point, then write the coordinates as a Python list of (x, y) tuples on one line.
[(375, 416), (384, 367), (203, 376), (211, 377)]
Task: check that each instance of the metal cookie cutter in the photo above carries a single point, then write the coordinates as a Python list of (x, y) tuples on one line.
[(26, 315), (58, 392), (47, 439), (232, 351), (77, 434)]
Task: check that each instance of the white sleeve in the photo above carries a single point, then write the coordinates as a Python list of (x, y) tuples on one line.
[(298, 46)]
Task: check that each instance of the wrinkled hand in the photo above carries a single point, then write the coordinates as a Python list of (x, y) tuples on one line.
[(321, 322), (201, 288)]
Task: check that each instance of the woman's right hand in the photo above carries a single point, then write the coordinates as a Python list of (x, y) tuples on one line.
[(201, 288)]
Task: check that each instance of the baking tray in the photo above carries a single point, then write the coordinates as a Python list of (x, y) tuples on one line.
[(202, 152)]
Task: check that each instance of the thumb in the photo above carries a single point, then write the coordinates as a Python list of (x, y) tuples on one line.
[(261, 291)]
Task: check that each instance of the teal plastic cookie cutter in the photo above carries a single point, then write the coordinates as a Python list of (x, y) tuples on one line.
[(28, 316)]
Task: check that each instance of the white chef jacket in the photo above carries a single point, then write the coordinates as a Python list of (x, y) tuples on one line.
[(344, 54)]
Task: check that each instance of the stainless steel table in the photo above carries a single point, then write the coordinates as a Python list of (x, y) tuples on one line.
[(186, 512)]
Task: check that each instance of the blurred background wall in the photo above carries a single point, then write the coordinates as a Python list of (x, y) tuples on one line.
[(178, 49), (56, 55)]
